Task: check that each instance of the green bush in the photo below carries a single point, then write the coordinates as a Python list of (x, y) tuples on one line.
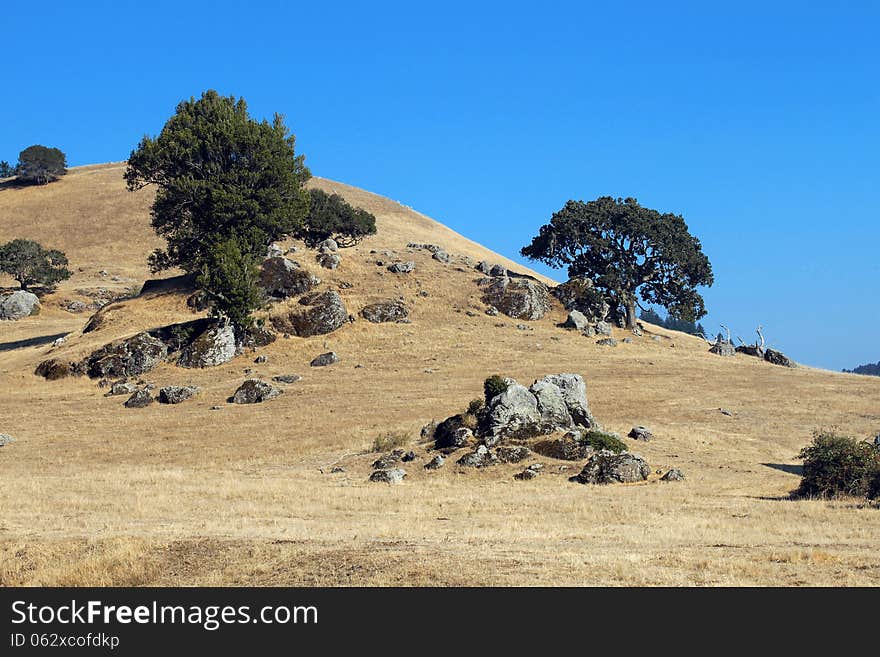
[(836, 465), (330, 216), (475, 407), (601, 440), (494, 386)]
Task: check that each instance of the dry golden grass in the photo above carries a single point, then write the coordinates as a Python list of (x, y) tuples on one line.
[(99, 494)]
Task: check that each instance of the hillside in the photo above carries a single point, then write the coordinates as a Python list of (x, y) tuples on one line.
[(101, 494)]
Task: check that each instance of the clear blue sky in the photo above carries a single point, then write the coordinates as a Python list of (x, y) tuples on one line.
[(756, 121)]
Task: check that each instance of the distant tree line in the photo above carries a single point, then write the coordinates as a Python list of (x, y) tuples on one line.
[(672, 323), (871, 369)]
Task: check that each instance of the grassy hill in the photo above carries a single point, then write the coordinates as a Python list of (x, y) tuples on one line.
[(99, 494)]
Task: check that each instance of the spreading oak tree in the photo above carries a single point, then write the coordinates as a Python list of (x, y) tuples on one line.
[(632, 253), (30, 264)]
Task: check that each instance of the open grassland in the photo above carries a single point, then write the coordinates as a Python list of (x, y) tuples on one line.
[(99, 494)]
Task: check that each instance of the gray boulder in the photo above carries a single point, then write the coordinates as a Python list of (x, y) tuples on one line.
[(325, 312), (551, 406), (574, 394), (325, 359), (513, 413), (483, 267), (498, 271), (385, 311), (513, 453), (576, 320), (435, 463), (281, 278), (18, 305), (402, 267), (287, 378), (607, 342), (5, 439), (673, 475), (121, 388), (176, 394), (215, 346), (328, 260), (529, 473), (140, 399), (602, 328), (606, 467), (722, 348), (520, 298), (481, 457), (389, 475), (641, 433), (130, 357), (778, 358), (255, 391), (328, 246), (441, 256)]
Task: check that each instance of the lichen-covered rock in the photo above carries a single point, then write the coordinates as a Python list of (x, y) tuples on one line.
[(498, 270), (606, 467), (388, 476), (513, 453), (214, 346), (130, 357), (18, 305), (576, 320), (255, 391), (641, 433), (176, 394), (323, 360), (481, 457), (551, 406), (140, 399), (673, 475), (483, 267), (282, 278), (602, 328), (402, 267), (520, 298), (778, 358), (513, 413), (325, 312), (385, 311), (454, 432), (722, 348), (328, 260), (574, 394)]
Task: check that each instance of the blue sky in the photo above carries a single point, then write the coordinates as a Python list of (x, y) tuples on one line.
[(755, 121)]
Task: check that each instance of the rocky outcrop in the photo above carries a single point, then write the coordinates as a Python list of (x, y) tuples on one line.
[(778, 358), (18, 305), (606, 467), (281, 278), (520, 298), (722, 348), (577, 321), (324, 313), (512, 414), (130, 357), (385, 311), (513, 453), (255, 391), (214, 346)]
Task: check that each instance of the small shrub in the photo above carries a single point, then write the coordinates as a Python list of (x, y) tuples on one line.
[(601, 440), (836, 465), (475, 407), (390, 440), (494, 386)]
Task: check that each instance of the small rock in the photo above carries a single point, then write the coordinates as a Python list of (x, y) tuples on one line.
[(722, 348), (656, 338), (627, 341), (216, 408), (435, 463), (602, 328), (483, 267), (389, 476), (325, 359), (328, 260), (479, 458), (176, 394), (724, 411), (140, 399), (530, 472), (121, 388), (576, 320), (673, 475), (5, 439), (641, 433), (402, 267), (409, 456), (492, 311), (255, 391), (261, 359), (337, 469), (606, 467), (637, 331), (441, 256), (607, 342), (18, 305), (274, 251), (329, 245), (287, 378)]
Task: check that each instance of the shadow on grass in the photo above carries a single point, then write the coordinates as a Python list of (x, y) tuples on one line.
[(785, 467), (31, 342)]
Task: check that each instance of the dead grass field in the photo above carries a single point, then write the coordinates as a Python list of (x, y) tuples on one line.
[(181, 495)]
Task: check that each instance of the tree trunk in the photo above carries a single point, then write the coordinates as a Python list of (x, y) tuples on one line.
[(630, 314)]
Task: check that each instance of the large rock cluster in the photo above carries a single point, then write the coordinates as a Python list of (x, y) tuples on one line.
[(324, 312), (130, 357), (520, 298), (282, 277)]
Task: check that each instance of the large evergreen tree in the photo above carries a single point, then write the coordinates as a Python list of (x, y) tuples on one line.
[(630, 252), (40, 165), (228, 186)]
